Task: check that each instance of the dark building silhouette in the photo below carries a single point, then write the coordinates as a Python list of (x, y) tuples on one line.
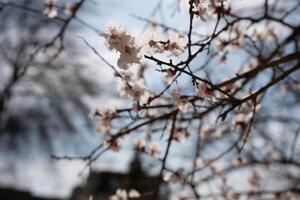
[(15, 194), (101, 185)]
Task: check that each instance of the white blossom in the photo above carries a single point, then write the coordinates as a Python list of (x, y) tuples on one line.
[(181, 102), (112, 145), (129, 55), (139, 144), (154, 149), (126, 76), (120, 195), (69, 9), (107, 114), (152, 44), (170, 76), (176, 45), (172, 176), (203, 91), (119, 39), (93, 113), (201, 7), (50, 8), (200, 162), (134, 194), (123, 88), (137, 91), (106, 117), (179, 134)]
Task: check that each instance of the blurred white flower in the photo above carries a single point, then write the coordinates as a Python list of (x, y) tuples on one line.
[(123, 88), (240, 121), (203, 91), (50, 8), (154, 149), (139, 144), (134, 194), (200, 162), (93, 113), (141, 70), (107, 114), (120, 195), (207, 131), (181, 102), (179, 134), (151, 43), (112, 145), (201, 7), (69, 9), (176, 45), (139, 93), (170, 76), (135, 90), (106, 117), (170, 176), (126, 76)]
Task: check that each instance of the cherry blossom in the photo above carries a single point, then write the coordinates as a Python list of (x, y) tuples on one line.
[(123, 88), (176, 45), (134, 194), (240, 121), (170, 76), (106, 116), (201, 7), (181, 102), (170, 176), (139, 144), (137, 91), (179, 134), (120, 40), (203, 91), (126, 76), (153, 148), (50, 8), (152, 44), (112, 145), (129, 55), (122, 194), (69, 9)]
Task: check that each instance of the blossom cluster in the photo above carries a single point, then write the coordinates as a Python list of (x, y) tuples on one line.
[(120, 40), (205, 7), (128, 87), (122, 194), (51, 8), (106, 117), (150, 147), (132, 49)]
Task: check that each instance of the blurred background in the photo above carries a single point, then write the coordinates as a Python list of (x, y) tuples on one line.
[(46, 112)]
